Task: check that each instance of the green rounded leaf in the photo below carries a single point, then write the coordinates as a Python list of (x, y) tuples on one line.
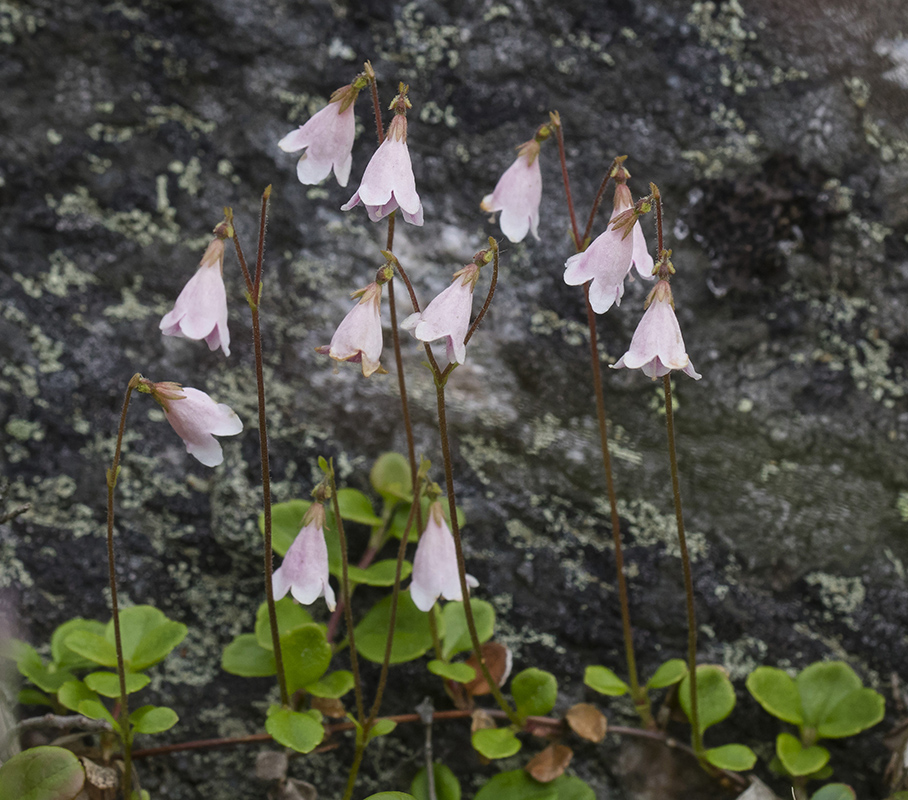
[(382, 727), (286, 523), (245, 656), (62, 654), (153, 719), (147, 635), (535, 692), (93, 647), (777, 693), (108, 683), (457, 636), (517, 785), (32, 697), (839, 791), (76, 696), (461, 673), (447, 787), (306, 655), (332, 686), (42, 773), (854, 713), (715, 695), (299, 730), (734, 757), (796, 758), (569, 787), (391, 796), (48, 677), (822, 686), (604, 681), (381, 573), (668, 674), (290, 615), (412, 635), (356, 507), (496, 742), (390, 476)]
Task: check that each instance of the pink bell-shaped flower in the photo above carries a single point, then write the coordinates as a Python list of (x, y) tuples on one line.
[(388, 182), (326, 140), (608, 260), (304, 570), (359, 338), (657, 346), (448, 315), (200, 311), (517, 194), (197, 419), (435, 564)]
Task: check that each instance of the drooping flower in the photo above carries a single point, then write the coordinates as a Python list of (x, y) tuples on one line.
[(196, 418), (326, 140), (448, 315), (200, 311), (388, 182), (518, 193), (304, 570), (657, 346), (358, 338), (608, 260), (435, 564)]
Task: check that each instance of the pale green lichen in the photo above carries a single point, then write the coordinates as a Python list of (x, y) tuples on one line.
[(62, 276), (902, 505), (25, 430), (652, 528), (16, 22), (841, 596)]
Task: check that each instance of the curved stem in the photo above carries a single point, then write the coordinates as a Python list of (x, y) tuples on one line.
[(112, 475), (578, 242), (376, 107), (598, 201), (697, 737), (490, 295)]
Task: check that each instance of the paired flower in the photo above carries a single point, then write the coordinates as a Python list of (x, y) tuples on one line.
[(358, 338), (448, 315), (200, 311), (657, 346), (608, 260), (518, 193), (326, 140), (388, 182), (196, 418), (304, 570), (435, 564)]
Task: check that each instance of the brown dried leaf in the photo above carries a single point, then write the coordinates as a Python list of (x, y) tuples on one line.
[(498, 661), (550, 763), (330, 707), (271, 765), (481, 719), (100, 777), (587, 721)]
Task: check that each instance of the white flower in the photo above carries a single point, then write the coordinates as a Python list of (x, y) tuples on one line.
[(435, 564), (657, 346), (304, 570), (448, 315), (200, 311), (388, 182), (358, 338), (517, 194)]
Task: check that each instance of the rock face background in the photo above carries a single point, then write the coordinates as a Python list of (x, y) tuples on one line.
[(776, 132)]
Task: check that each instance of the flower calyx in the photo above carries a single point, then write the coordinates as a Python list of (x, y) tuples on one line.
[(401, 102), (315, 514), (664, 267)]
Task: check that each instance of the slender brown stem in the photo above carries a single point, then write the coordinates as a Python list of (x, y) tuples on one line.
[(697, 738), (112, 475), (578, 242), (345, 593), (376, 107), (598, 201), (492, 285), (658, 198)]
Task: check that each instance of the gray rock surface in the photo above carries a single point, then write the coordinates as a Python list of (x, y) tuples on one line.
[(777, 134)]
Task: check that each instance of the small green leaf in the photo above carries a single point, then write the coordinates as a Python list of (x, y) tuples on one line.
[(157, 644), (457, 634), (734, 757), (777, 693), (93, 647), (356, 507), (48, 677), (76, 696), (390, 476), (382, 727), (898, 796), (447, 787), (838, 791), (153, 719), (535, 692), (412, 635), (822, 686), (323, 465), (245, 656), (797, 759), (381, 573), (715, 695), (300, 730), (32, 697), (306, 655), (570, 787), (391, 796), (147, 635), (286, 523), (854, 713), (62, 654), (332, 686), (517, 785), (496, 742), (42, 773), (461, 673), (667, 674), (604, 681), (108, 683), (290, 615)]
